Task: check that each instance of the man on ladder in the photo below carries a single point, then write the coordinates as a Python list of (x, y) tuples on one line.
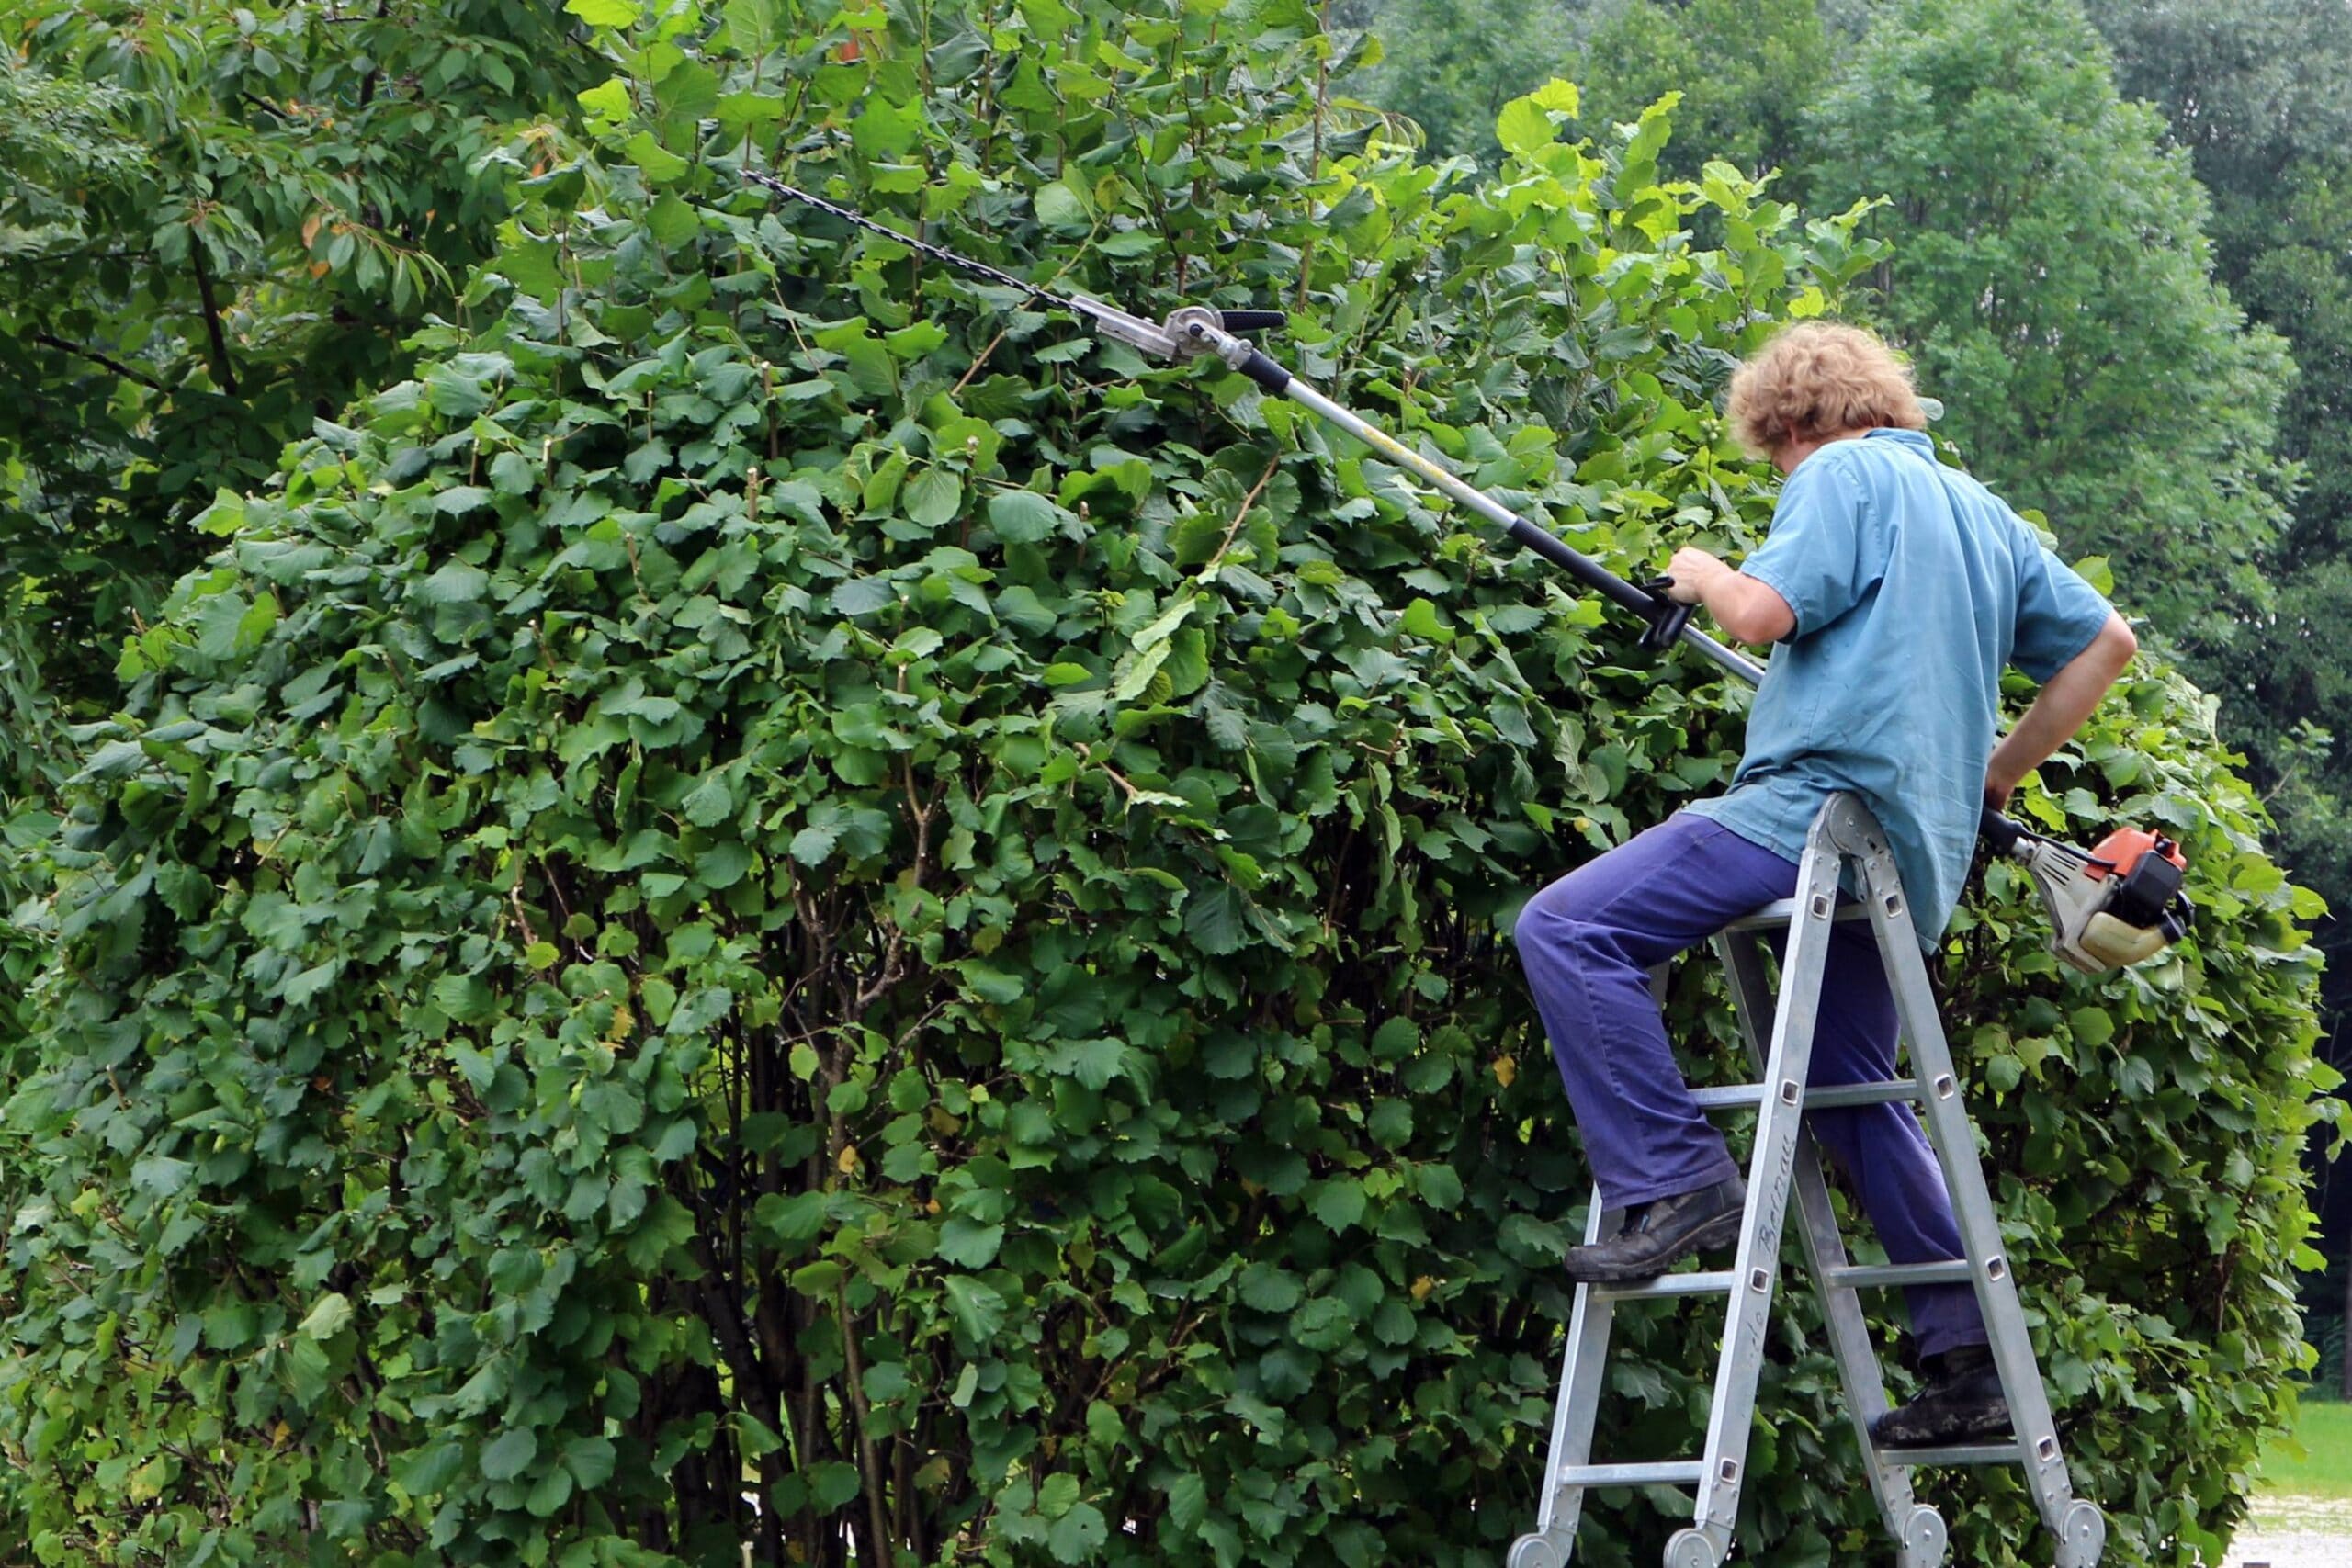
[(1897, 589)]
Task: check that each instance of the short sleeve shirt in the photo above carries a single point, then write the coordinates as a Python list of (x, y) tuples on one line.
[(1913, 585)]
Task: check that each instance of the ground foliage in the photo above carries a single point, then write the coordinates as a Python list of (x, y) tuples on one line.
[(784, 875)]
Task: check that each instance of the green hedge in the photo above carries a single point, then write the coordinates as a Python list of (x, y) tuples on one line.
[(786, 879)]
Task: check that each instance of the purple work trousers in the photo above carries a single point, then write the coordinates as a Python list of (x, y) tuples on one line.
[(1589, 942)]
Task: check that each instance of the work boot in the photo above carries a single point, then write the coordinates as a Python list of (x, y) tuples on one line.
[(1962, 1402), (1660, 1233)]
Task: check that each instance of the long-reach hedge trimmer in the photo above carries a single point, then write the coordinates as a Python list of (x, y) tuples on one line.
[(2109, 906)]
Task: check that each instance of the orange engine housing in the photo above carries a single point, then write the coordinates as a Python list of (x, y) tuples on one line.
[(2120, 850)]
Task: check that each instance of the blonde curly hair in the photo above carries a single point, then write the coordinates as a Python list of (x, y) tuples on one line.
[(1817, 379)]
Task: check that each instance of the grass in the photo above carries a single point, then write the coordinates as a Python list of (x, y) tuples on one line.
[(2324, 1430)]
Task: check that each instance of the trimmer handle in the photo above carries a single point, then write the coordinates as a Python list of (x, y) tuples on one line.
[(1253, 321), (1667, 617), (1999, 832)]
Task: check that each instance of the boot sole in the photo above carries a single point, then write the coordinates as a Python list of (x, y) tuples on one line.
[(1720, 1232), (1988, 1430)]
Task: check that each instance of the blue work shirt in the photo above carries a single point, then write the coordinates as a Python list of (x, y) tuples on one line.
[(1913, 585)]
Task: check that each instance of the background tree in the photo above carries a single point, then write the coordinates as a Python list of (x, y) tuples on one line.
[(2261, 95), (308, 181), (2055, 291), (57, 136), (2249, 88), (1747, 71), (1448, 65)]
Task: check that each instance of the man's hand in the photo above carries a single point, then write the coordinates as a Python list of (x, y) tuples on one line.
[(1748, 610), (1694, 570)]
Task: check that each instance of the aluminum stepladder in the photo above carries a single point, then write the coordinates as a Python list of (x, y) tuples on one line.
[(1784, 1156)]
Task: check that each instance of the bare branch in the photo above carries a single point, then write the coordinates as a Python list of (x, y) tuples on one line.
[(86, 352)]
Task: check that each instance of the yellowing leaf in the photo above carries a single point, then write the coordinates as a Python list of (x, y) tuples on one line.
[(608, 100), (1523, 126), (1557, 96), (606, 13)]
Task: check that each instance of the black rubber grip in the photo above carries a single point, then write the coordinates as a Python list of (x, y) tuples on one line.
[(1999, 832), (1269, 375), (1251, 321), (1667, 629), (1667, 617)]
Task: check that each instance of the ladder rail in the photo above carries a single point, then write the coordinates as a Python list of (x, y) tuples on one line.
[(1920, 1530), (1578, 1409), (2080, 1531), (1771, 1169)]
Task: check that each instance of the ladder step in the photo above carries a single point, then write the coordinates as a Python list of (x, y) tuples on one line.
[(1673, 1473), (1963, 1453), (1780, 911), (1827, 1097), (1705, 1284), (1865, 1277)]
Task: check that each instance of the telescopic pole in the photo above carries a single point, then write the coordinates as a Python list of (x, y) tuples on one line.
[(1665, 624), (1196, 330)]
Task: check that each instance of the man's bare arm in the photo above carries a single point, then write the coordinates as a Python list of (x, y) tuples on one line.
[(2066, 700)]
